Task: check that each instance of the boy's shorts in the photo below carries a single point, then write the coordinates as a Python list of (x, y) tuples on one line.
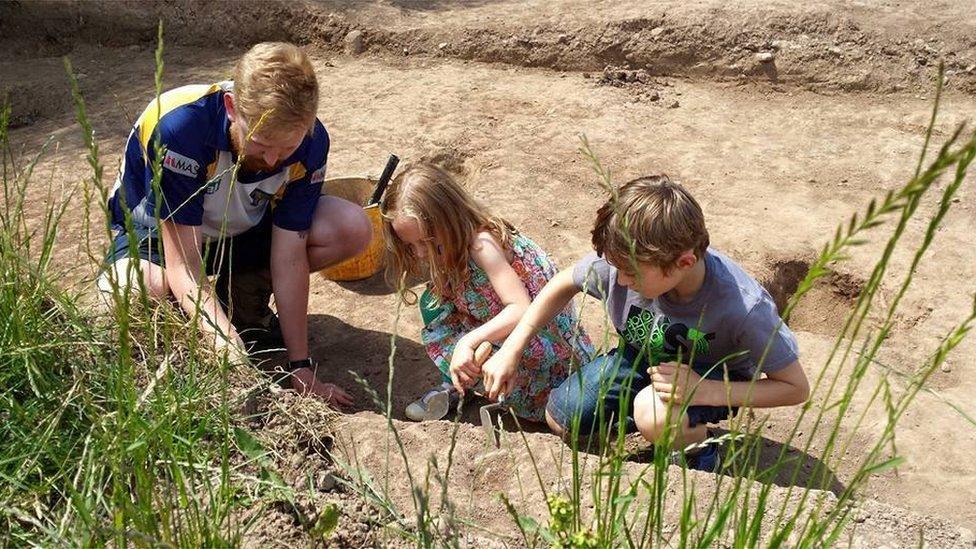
[(247, 251), (620, 375)]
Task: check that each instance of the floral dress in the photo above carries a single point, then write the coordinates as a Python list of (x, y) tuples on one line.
[(551, 355)]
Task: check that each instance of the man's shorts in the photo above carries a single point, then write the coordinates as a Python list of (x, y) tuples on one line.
[(619, 376), (247, 251)]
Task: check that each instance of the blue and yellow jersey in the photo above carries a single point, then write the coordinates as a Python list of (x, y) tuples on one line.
[(198, 186)]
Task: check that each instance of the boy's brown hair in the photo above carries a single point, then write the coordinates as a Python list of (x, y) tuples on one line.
[(650, 220), (276, 78)]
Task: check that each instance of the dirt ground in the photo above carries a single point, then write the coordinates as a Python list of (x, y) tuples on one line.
[(782, 120)]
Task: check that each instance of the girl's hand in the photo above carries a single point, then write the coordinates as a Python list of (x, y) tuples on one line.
[(499, 374), (463, 369)]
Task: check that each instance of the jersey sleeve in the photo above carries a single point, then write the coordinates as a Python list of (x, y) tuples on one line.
[(295, 210), (183, 175)]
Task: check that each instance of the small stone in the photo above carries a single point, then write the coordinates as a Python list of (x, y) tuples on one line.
[(406, 51), (653, 95), (657, 31), (354, 42), (674, 104), (325, 481), (835, 50), (562, 38), (946, 367), (442, 45), (765, 57)]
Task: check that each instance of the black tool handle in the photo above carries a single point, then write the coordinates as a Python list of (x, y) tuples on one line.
[(391, 165)]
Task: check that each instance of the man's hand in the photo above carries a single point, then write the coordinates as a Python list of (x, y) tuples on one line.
[(499, 374), (303, 380), (674, 383), (235, 349)]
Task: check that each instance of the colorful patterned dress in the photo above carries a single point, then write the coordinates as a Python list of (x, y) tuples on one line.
[(552, 354)]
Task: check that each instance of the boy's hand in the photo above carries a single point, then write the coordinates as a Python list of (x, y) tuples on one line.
[(464, 369), (499, 374), (674, 383)]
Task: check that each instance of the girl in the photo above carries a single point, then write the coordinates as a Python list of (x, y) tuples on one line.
[(482, 276)]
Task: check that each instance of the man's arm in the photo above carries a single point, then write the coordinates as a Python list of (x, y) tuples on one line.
[(182, 245), (289, 276), (499, 370)]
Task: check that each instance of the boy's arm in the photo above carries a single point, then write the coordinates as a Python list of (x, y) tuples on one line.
[(784, 387), (499, 370), (191, 289)]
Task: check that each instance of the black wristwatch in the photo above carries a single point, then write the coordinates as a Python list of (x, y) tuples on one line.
[(303, 363)]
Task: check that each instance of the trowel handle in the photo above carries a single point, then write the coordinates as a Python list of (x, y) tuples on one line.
[(482, 353), (391, 165)]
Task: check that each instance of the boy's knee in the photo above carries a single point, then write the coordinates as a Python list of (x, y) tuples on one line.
[(554, 425), (651, 415), (566, 404)]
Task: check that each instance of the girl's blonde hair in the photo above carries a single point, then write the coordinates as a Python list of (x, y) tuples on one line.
[(449, 219)]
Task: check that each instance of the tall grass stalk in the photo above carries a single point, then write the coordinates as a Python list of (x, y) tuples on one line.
[(116, 421)]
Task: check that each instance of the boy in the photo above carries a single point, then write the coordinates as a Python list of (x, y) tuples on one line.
[(259, 229), (670, 298)]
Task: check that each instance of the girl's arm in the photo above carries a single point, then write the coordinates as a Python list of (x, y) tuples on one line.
[(490, 256), (500, 368)]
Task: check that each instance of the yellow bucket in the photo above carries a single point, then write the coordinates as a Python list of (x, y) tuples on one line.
[(358, 190)]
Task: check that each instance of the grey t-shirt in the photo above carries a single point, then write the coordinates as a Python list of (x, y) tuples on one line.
[(731, 317)]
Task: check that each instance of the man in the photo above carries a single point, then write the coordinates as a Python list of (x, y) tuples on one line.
[(239, 197)]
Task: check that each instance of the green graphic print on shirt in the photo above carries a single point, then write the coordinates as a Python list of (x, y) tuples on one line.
[(661, 339)]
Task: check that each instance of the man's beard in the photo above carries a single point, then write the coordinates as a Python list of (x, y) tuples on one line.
[(252, 164), (249, 163)]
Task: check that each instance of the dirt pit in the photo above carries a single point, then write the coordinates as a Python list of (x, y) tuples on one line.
[(782, 120)]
